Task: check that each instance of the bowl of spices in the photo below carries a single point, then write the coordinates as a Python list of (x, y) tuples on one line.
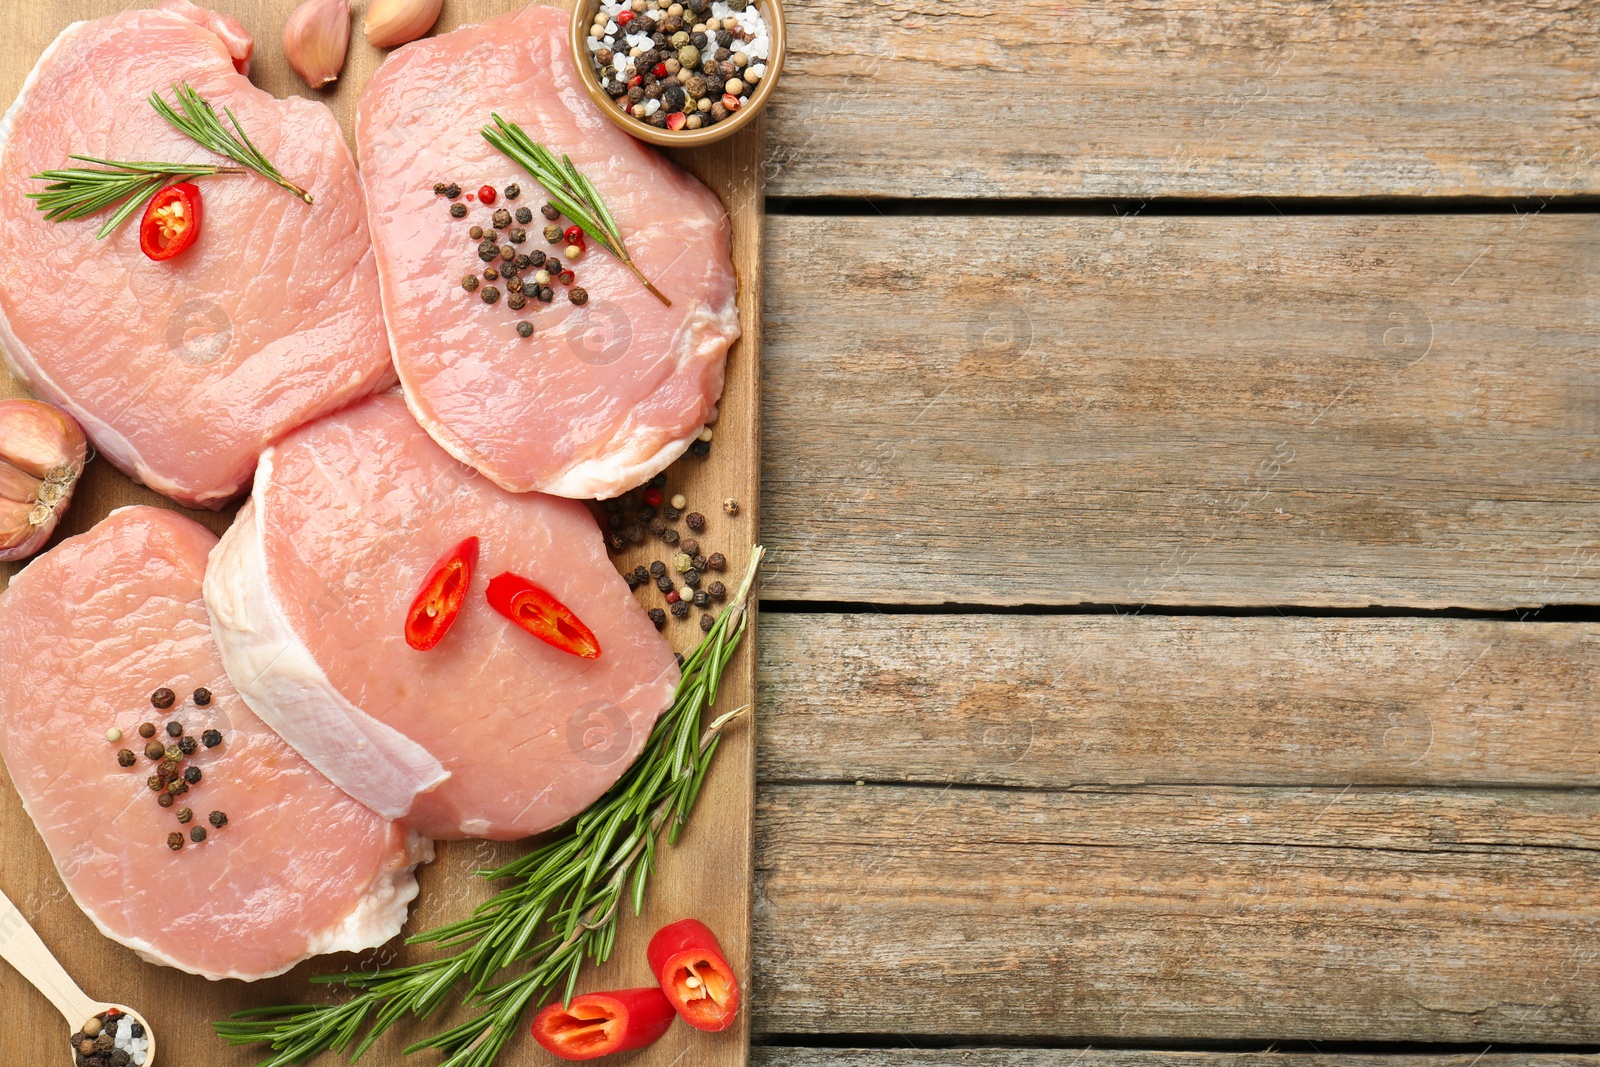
[(679, 72)]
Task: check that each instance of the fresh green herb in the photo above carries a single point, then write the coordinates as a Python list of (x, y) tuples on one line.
[(76, 192), (563, 907), (571, 192)]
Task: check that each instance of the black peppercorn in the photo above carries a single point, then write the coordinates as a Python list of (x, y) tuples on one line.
[(663, 583), (674, 98), (553, 265), (488, 254), (165, 799), (634, 532), (476, 233), (701, 449), (136, 1030), (491, 275), (524, 216), (615, 541), (690, 547), (577, 294), (695, 521), (513, 191), (702, 599), (717, 561), (641, 574), (707, 622), (191, 775), (501, 219), (524, 329), (698, 39), (439, 188), (202, 697), (516, 301), (658, 617), (452, 190), (691, 578), (657, 569), (671, 513), (197, 834), (188, 745), (175, 841), (218, 819), (717, 590), (211, 738), (163, 698), (633, 583), (156, 783), (155, 750), (147, 729), (517, 236), (177, 787), (549, 211), (458, 211), (490, 294), (126, 758), (657, 526), (680, 610), (654, 91), (636, 94), (185, 815), (470, 283), (670, 536), (536, 258), (174, 729), (701, 564), (546, 293)]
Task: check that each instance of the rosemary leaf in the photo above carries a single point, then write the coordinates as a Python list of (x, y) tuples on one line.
[(199, 122), (573, 888)]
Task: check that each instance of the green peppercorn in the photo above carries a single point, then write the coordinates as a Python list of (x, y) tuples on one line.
[(163, 698), (501, 219), (218, 819), (174, 729), (155, 783), (658, 617), (177, 787), (147, 729), (211, 738), (173, 753), (439, 188), (197, 834), (552, 233), (524, 216), (470, 283), (202, 697), (155, 750), (513, 191), (682, 562), (185, 814), (192, 775), (165, 799), (126, 758), (524, 329), (490, 294), (175, 841), (578, 295), (458, 211), (549, 211)]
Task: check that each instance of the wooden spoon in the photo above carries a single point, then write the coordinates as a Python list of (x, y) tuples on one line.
[(21, 947)]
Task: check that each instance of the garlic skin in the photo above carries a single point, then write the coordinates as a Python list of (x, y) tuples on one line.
[(42, 453), (316, 38), (392, 22)]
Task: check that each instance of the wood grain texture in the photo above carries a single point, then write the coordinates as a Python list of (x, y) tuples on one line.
[(1179, 913), (1052, 701), (1323, 411), (708, 874), (777, 1056), (1248, 98)]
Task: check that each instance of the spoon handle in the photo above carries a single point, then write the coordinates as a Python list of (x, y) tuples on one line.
[(21, 947)]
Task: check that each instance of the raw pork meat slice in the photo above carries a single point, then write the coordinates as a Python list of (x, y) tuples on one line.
[(493, 733), (87, 633), (603, 396), (181, 371)]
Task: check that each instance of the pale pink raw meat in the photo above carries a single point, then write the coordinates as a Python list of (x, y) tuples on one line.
[(603, 396), (181, 371), (493, 733), (87, 632)]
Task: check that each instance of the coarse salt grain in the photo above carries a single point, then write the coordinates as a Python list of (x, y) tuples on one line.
[(651, 107)]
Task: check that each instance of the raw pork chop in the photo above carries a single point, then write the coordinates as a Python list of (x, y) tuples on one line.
[(491, 734), (87, 632), (181, 371), (603, 396)]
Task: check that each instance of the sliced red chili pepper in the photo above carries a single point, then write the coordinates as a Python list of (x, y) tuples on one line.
[(598, 1024), (542, 615), (573, 235), (443, 592), (171, 221), (654, 497), (687, 961)]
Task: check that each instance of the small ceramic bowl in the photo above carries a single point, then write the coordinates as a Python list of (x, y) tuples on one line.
[(583, 17)]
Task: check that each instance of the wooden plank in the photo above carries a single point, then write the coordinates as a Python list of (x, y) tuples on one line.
[(777, 1056), (1248, 98), (1052, 701), (1179, 913), (708, 874), (1325, 411)]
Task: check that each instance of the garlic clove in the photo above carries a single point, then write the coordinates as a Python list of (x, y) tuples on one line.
[(42, 453), (316, 38), (392, 22)]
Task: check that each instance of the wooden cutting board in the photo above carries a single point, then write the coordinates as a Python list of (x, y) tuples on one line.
[(707, 875)]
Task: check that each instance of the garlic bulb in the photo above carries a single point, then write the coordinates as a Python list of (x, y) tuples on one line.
[(316, 38), (392, 22), (42, 452)]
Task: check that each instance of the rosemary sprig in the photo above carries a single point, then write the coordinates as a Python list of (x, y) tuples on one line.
[(572, 193), (75, 192), (199, 122), (563, 906)]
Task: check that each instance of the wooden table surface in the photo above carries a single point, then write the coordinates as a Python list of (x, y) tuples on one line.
[(1182, 470)]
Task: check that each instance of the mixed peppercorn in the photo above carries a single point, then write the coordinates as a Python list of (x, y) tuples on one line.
[(529, 275), (173, 778), (679, 66), (685, 583), (110, 1039)]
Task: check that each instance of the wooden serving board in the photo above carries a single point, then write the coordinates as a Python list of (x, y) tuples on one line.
[(708, 875)]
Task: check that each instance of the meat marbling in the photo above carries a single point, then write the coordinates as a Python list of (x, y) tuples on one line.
[(602, 396), (87, 632), (180, 371), (491, 734)]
